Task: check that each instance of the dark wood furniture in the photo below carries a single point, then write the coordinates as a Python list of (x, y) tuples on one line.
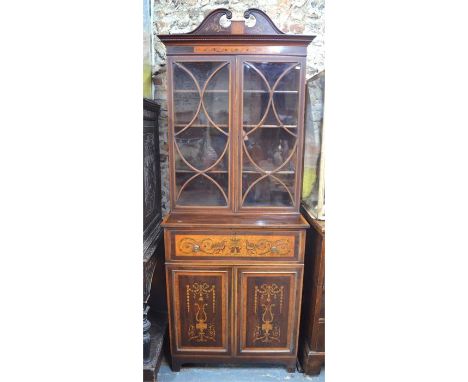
[(235, 237), (312, 346), (154, 311)]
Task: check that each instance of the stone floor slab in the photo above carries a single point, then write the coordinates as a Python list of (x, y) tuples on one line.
[(233, 373)]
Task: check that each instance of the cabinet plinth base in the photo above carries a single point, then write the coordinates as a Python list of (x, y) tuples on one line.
[(311, 361), (288, 363), (175, 366)]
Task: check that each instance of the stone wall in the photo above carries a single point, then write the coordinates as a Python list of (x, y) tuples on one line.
[(179, 16)]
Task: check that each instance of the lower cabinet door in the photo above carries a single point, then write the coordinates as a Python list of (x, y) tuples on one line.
[(199, 309), (268, 304)]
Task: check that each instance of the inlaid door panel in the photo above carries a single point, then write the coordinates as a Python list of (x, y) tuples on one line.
[(200, 309), (268, 304), (201, 131), (271, 132)]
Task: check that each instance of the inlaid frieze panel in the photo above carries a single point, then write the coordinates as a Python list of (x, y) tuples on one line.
[(201, 310), (234, 245)]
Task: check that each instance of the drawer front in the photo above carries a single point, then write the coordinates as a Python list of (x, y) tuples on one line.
[(268, 304), (200, 309), (228, 245)]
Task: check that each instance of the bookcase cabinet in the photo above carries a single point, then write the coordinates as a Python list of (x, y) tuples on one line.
[(234, 239)]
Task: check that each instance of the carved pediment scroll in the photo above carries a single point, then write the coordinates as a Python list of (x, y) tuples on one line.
[(212, 24)]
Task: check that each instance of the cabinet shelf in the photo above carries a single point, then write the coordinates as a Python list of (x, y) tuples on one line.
[(209, 172), (276, 91), (272, 126), (285, 172), (246, 126), (200, 125), (245, 91), (196, 91)]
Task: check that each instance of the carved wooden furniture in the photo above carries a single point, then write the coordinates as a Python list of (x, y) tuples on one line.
[(154, 319), (312, 344), (234, 240)]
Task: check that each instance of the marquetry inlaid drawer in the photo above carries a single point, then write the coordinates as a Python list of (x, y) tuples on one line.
[(229, 245)]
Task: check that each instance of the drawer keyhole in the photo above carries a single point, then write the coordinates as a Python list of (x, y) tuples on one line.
[(196, 248)]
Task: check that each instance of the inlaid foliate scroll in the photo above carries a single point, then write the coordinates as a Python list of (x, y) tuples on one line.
[(235, 245)]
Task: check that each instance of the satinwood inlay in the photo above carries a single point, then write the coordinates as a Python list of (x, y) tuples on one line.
[(233, 245)]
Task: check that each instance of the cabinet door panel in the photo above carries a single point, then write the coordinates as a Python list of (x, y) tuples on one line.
[(271, 133), (268, 303), (201, 131), (200, 310)]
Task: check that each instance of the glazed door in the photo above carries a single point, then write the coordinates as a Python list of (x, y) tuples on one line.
[(199, 309), (200, 132), (271, 137), (268, 304)]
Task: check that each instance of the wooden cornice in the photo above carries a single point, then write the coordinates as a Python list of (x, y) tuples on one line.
[(211, 31)]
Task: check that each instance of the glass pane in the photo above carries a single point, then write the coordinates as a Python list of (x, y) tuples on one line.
[(201, 133), (270, 117), (282, 111), (286, 108), (256, 109), (257, 72), (201, 191), (269, 149), (187, 73), (267, 192), (313, 188), (183, 79), (185, 109), (222, 180), (217, 107), (290, 81), (219, 82), (201, 147)]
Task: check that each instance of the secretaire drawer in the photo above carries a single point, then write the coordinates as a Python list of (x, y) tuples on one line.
[(229, 245)]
